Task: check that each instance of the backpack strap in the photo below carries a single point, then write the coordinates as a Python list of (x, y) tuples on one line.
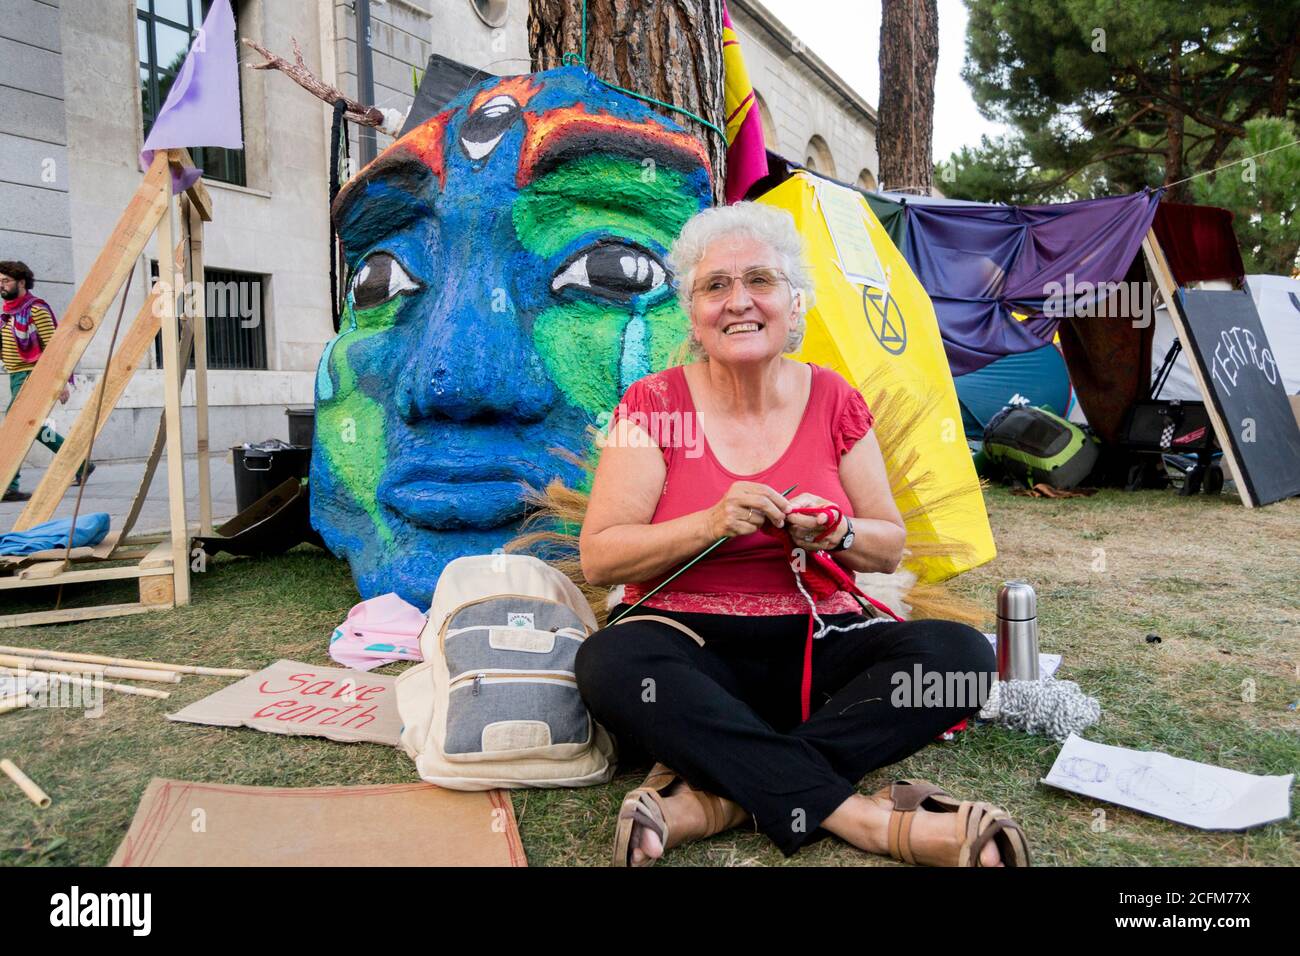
[(663, 620)]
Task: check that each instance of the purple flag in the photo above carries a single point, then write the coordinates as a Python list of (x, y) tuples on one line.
[(202, 108)]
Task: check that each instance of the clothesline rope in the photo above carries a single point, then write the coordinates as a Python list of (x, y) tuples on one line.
[(1207, 172)]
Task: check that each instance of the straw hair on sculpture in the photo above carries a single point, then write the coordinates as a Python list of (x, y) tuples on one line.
[(80, 667), (17, 702), (25, 783), (557, 513), (128, 662), (92, 682)]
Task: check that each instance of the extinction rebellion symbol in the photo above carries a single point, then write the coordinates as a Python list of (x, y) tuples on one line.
[(885, 319)]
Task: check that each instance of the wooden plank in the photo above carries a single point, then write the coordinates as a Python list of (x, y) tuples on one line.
[(41, 569), (172, 417), (157, 590), (197, 193), (160, 556), (28, 412), (69, 614), (122, 572), (1164, 277), (199, 324), (76, 445)]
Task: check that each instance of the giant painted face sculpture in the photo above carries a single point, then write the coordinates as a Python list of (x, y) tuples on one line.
[(506, 284)]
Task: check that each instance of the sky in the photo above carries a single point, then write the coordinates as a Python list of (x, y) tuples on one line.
[(846, 35)]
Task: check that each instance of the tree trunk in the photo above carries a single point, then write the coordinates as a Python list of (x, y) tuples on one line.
[(1280, 99), (909, 55), (671, 51), (1174, 136)]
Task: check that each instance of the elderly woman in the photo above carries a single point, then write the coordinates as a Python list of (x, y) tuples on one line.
[(707, 676)]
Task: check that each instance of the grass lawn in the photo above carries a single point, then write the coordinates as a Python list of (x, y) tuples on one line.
[(1219, 583)]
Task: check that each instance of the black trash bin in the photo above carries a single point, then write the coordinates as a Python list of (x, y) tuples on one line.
[(302, 425), (260, 468)]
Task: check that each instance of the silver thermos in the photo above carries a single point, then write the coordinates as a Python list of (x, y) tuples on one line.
[(1017, 632)]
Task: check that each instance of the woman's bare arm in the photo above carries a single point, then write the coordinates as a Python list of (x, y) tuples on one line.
[(878, 530), (618, 543)]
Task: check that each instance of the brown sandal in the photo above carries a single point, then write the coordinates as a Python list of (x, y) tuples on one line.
[(976, 824), (645, 806)]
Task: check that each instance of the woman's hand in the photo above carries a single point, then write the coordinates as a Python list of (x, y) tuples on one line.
[(744, 508), (805, 528)]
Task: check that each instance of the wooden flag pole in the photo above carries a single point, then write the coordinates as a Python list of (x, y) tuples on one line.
[(199, 324), (172, 415)]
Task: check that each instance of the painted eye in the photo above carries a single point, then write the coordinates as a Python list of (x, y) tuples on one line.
[(615, 270), (379, 279), (485, 127)]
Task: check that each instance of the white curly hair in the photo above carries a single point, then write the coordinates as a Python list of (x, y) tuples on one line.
[(767, 224)]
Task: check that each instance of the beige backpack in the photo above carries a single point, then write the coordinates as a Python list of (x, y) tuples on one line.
[(496, 702)]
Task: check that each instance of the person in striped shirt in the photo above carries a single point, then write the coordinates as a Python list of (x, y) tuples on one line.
[(27, 324)]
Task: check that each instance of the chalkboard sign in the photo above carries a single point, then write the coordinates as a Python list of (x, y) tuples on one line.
[(1241, 381)]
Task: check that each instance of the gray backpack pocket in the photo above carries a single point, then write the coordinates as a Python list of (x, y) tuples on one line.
[(499, 713), (512, 689)]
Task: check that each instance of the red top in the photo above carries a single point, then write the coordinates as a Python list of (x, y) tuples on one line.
[(749, 574)]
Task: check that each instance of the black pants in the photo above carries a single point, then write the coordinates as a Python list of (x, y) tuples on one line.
[(726, 716)]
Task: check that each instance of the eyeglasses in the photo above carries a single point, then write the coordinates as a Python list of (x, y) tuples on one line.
[(757, 282)]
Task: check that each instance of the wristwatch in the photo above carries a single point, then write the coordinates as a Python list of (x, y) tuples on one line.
[(847, 541)]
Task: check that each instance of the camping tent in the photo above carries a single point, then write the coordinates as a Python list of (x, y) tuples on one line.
[(872, 322)]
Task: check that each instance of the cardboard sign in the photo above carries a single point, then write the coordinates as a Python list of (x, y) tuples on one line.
[(410, 824), (290, 697), (1239, 375), (841, 208)]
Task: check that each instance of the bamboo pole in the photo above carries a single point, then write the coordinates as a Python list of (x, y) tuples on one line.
[(14, 703), (127, 662), (93, 682), (34, 793), (78, 667)]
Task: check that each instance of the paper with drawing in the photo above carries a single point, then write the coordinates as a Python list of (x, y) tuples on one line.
[(1197, 794)]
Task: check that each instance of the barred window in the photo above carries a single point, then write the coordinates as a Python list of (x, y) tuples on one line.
[(164, 30), (234, 303)]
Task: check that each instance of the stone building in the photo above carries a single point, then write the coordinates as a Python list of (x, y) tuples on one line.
[(81, 79)]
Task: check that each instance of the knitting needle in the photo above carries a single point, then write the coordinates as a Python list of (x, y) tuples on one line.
[(660, 586)]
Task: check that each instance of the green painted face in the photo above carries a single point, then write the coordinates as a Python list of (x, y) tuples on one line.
[(507, 283)]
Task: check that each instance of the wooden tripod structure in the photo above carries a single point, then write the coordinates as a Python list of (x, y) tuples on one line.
[(161, 566)]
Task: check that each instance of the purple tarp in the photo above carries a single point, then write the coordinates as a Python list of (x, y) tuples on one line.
[(202, 108), (981, 263)]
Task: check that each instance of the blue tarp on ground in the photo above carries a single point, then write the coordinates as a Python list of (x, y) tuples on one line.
[(91, 529)]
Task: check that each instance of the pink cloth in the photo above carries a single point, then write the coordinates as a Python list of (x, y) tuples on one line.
[(378, 631), (749, 574)]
